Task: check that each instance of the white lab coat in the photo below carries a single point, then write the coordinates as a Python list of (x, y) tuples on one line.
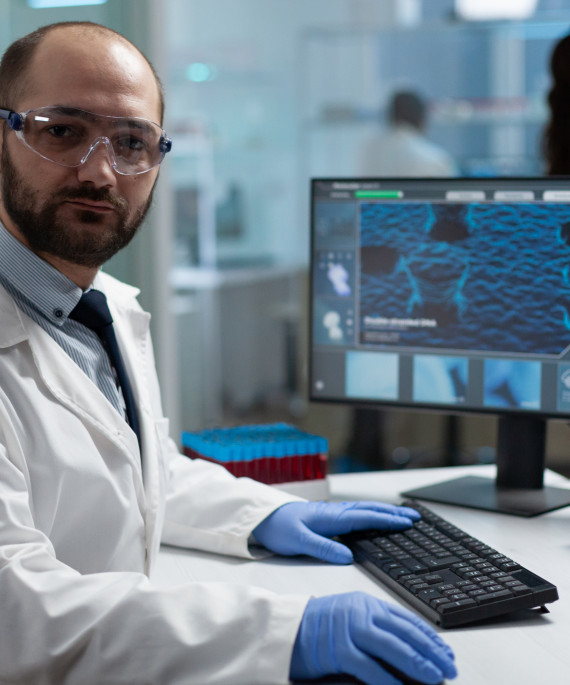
[(81, 525), (403, 151)]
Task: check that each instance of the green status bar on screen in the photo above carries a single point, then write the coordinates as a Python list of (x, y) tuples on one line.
[(379, 194)]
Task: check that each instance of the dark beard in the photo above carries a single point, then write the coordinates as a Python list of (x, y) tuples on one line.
[(45, 233)]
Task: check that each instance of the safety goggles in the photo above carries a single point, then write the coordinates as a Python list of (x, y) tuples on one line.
[(67, 136)]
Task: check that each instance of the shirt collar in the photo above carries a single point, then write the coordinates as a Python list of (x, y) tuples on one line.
[(46, 289)]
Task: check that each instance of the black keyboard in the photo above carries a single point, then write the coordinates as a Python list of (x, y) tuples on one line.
[(446, 574)]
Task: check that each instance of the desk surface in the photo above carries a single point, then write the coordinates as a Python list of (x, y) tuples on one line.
[(529, 650)]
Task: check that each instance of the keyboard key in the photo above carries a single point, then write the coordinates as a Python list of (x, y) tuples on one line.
[(367, 546), (414, 565), (434, 564), (505, 579), (476, 593), (482, 565), (456, 606), (428, 595), (390, 566), (432, 579), (407, 577), (467, 556), (481, 578), (514, 583), (509, 566), (462, 564), (411, 581), (493, 596), (520, 590)]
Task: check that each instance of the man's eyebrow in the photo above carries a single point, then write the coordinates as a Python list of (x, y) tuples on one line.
[(133, 122), (73, 111), (138, 123)]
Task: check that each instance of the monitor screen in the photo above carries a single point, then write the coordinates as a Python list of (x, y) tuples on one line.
[(448, 294)]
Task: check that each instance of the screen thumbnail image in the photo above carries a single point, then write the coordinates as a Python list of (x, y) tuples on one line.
[(476, 276), (334, 224), (372, 375), (333, 323), (564, 387), (513, 384), (440, 380), (334, 273)]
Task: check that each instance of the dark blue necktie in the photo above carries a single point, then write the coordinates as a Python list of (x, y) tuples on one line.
[(92, 311)]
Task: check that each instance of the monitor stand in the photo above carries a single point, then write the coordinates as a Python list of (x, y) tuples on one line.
[(518, 488)]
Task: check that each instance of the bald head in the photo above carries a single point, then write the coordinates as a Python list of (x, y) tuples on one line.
[(64, 41)]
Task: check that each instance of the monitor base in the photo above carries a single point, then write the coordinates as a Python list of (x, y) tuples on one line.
[(477, 492)]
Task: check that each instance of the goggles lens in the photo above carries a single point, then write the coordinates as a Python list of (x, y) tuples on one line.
[(67, 136)]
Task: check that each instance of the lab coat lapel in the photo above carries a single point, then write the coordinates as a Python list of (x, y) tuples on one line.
[(132, 331), (69, 384), (63, 377)]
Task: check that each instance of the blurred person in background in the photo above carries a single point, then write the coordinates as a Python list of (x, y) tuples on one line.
[(404, 149)]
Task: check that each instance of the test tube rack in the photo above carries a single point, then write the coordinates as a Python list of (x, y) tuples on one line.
[(270, 453)]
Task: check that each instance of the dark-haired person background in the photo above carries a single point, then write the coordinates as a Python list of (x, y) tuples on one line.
[(556, 142)]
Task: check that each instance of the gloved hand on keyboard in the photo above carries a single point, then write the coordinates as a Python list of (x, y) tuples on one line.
[(360, 635), (305, 527)]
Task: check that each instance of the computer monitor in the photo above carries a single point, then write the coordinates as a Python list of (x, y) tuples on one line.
[(450, 295)]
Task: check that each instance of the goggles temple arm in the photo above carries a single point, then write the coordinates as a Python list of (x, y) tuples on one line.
[(15, 120), (165, 144)]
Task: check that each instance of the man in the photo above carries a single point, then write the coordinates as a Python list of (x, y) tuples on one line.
[(404, 150), (90, 482)]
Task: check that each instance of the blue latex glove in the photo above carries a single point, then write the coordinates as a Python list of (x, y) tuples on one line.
[(354, 633), (305, 527)]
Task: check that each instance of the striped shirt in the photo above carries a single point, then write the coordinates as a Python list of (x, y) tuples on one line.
[(47, 296)]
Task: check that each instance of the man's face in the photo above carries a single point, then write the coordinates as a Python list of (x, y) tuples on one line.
[(102, 223), (81, 215)]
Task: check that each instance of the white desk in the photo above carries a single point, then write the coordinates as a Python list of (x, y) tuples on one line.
[(534, 650)]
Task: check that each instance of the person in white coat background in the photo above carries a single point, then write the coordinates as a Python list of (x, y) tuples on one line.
[(403, 148), (90, 485)]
